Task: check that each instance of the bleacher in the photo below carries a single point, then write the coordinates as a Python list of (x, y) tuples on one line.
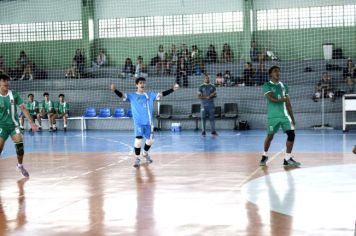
[(95, 92)]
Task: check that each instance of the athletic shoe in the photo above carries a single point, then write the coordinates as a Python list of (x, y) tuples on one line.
[(263, 161), (214, 133), (50, 129), (203, 133), (148, 159), (23, 171), (65, 129), (55, 129), (137, 163), (22, 128), (30, 130), (291, 163)]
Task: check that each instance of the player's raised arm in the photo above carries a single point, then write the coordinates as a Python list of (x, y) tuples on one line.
[(169, 91), (116, 91)]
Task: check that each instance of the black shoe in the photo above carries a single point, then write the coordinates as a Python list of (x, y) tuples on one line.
[(50, 129), (263, 161), (30, 130), (214, 133), (203, 133), (55, 129), (39, 128), (22, 128), (315, 99), (65, 129), (291, 163)]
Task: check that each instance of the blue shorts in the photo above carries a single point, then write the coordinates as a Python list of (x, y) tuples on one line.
[(143, 130)]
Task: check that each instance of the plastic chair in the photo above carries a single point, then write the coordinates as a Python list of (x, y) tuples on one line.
[(104, 112), (196, 109), (119, 112), (230, 110), (90, 112), (129, 112)]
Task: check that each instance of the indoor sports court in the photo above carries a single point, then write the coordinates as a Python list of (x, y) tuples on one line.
[(114, 85)]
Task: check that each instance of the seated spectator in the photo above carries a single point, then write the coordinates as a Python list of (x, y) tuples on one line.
[(71, 73), (229, 79), (249, 75), (140, 68), (27, 73), (227, 55), (182, 72), (34, 110), (196, 61), (2, 64), (79, 61), (349, 75), (211, 55), (48, 111), (161, 64), (219, 81), (254, 54), (100, 59), (62, 112), (172, 60), (23, 66), (129, 69), (324, 85)]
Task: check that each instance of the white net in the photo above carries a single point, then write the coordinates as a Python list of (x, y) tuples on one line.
[(305, 38)]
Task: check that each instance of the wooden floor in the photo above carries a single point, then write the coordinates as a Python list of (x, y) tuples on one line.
[(194, 193)]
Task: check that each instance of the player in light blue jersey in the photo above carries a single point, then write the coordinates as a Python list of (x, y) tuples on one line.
[(142, 114)]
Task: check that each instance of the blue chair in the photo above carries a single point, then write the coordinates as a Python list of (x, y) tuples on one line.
[(104, 112), (119, 112), (129, 112), (90, 112)]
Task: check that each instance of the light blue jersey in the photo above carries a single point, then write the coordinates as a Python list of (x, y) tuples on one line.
[(139, 102)]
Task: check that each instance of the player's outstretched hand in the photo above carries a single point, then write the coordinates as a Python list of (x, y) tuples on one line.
[(113, 87), (176, 87), (34, 127)]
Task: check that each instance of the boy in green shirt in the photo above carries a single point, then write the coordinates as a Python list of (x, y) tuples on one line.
[(9, 121), (48, 111), (33, 108), (62, 110)]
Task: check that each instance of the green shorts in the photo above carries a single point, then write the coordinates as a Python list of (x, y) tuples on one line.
[(5, 132), (273, 125)]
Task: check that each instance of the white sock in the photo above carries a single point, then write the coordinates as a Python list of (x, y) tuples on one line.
[(19, 165), (65, 126), (265, 154), (54, 125), (288, 156)]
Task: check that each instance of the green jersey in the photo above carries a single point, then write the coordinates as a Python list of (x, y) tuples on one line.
[(47, 106), (276, 109), (8, 110), (32, 106), (63, 107)]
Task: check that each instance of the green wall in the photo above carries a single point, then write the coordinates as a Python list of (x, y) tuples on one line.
[(307, 44)]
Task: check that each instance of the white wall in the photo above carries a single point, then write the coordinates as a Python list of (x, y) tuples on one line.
[(28, 11), (107, 9), (273, 4)]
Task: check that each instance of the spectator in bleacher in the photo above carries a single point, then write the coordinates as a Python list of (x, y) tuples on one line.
[(48, 111), (211, 55), (182, 72), (228, 78), (23, 63), (219, 81), (254, 53), (227, 55), (207, 94), (262, 58), (349, 75), (71, 73), (196, 61), (324, 85), (27, 73), (140, 68), (161, 65), (2, 64), (129, 69), (172, 60), (33, 108), (79, 61), (62, 112), (249, 75), (100, 59)]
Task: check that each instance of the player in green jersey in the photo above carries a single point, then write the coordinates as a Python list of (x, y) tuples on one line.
[(48, 111), (9, 121), (33, 108), (62, 110), (279, 114)]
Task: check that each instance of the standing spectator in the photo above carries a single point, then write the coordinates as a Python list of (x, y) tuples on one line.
[(33, 108), (182, 72), (254, 54), (207, 94), (349, 75), (161, 64), (219, 81), (62, 112), (227, 55), (128, 70), (100, 59), (48, 111), (211, 55), (140, 68), (324, 85), (79, 61)]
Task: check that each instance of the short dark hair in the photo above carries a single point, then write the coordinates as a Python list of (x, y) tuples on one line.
[(139, 79), (61, 95), (272, 68), (30, 94), (4, 76), (45, 93)]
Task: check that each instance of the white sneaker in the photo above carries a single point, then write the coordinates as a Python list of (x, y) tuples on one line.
[(137, 163)]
